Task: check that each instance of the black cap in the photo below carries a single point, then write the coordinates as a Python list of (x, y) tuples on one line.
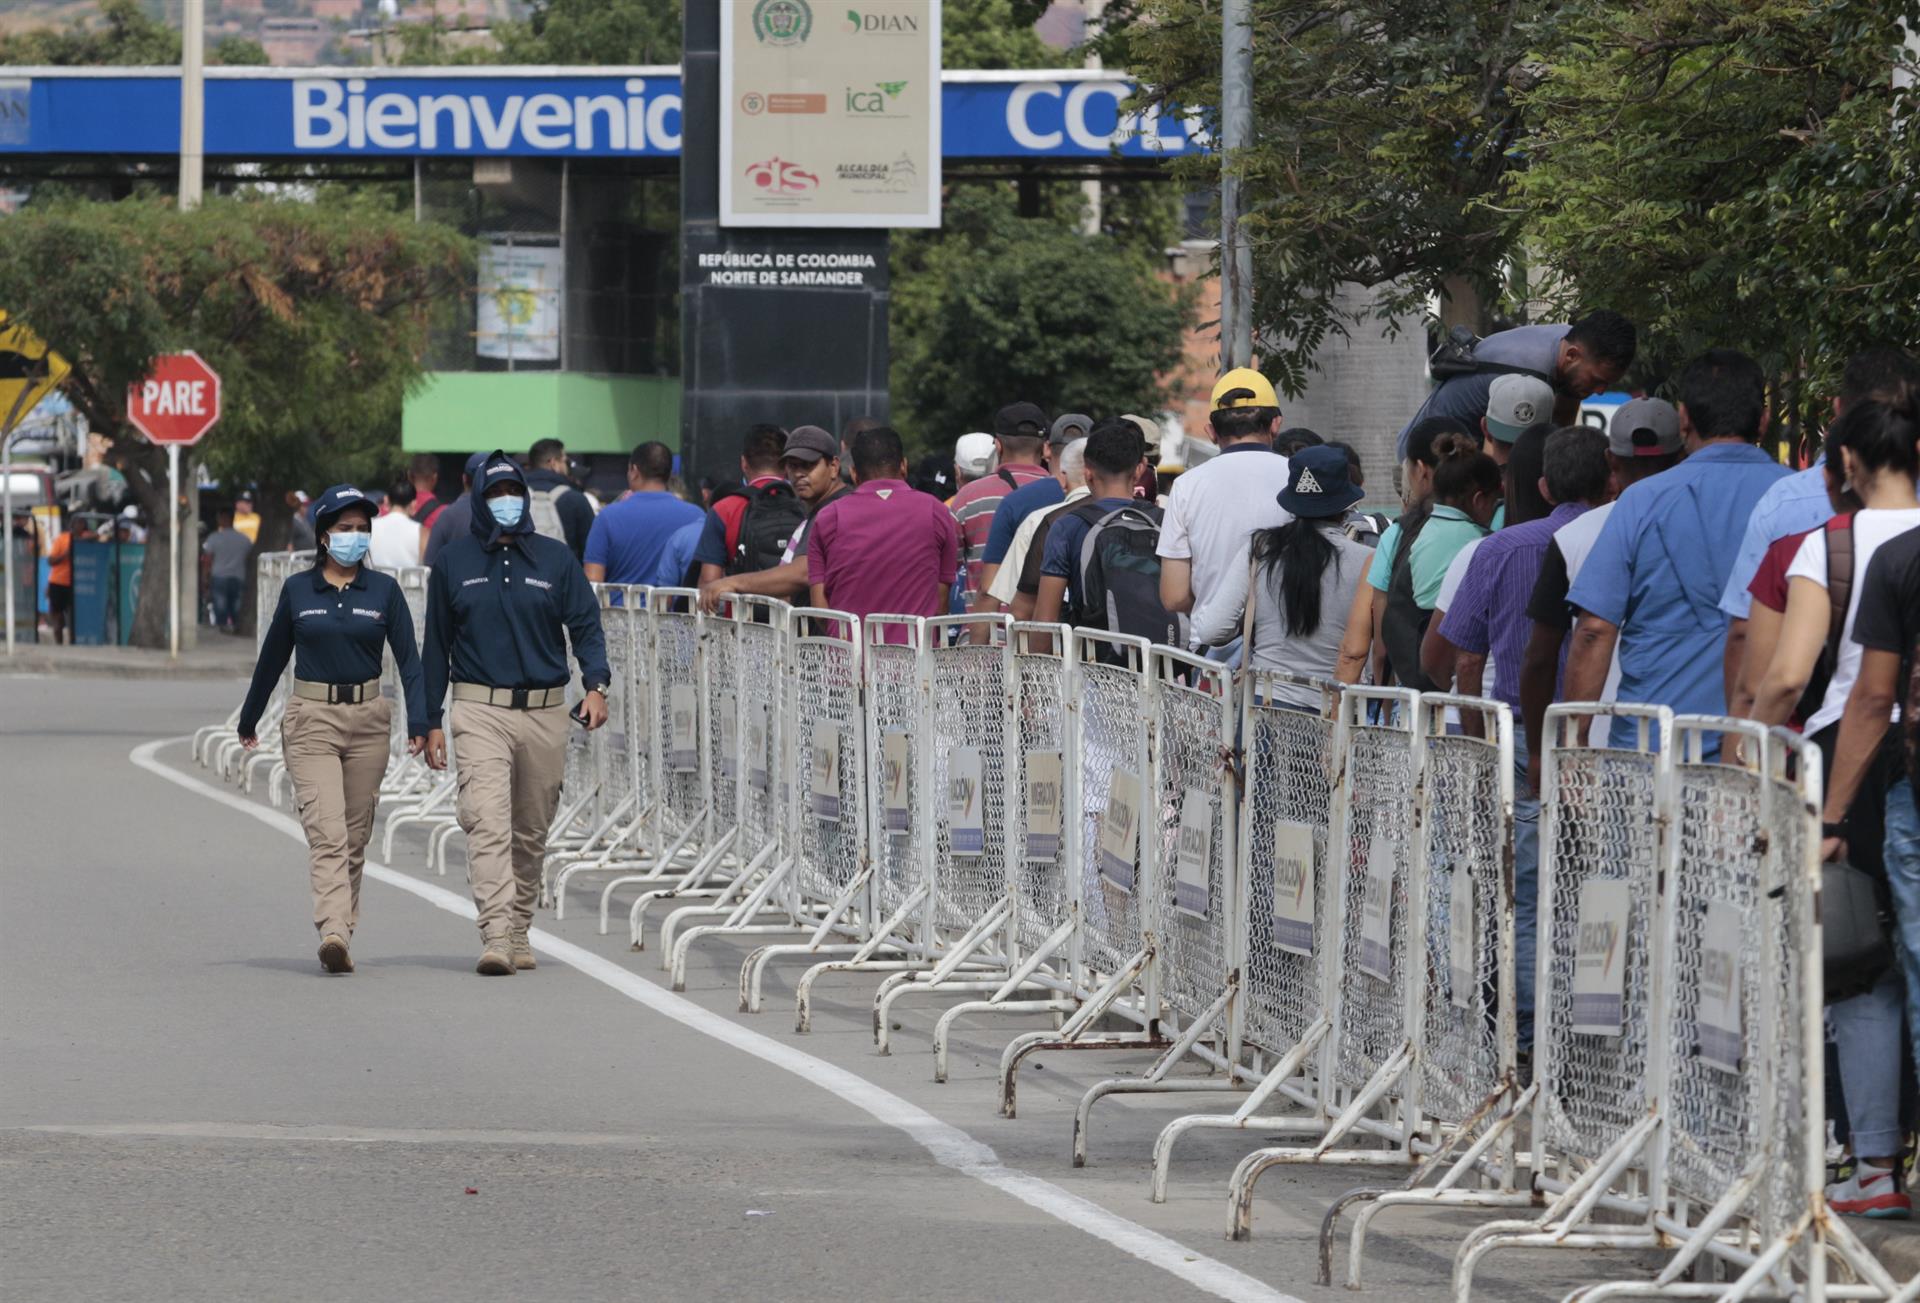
[(1020, 421), (334, 501)]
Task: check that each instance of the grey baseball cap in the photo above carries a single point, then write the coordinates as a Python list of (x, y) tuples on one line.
[(1514, 402), (1644, 427), (810, 443), (1067, 428)]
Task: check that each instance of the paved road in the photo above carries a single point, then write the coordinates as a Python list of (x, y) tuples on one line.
[(190, 1110)]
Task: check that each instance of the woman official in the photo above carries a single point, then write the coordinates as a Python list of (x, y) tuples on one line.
[(332, 619)]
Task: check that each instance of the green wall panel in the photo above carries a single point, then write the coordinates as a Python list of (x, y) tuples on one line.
[(472, 411)]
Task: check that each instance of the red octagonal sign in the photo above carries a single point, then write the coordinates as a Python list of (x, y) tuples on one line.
[(178, 402)]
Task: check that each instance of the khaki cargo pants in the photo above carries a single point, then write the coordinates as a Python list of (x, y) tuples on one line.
[(509, 764), (336, 755)]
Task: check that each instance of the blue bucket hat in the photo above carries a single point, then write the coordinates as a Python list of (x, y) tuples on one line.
[(1318, 484)]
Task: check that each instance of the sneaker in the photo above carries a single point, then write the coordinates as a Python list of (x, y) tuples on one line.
[(496, 958), (333, 954), (522, 949), (1871, 1192)]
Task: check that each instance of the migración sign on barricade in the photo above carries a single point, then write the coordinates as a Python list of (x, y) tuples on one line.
[(1306, 890)]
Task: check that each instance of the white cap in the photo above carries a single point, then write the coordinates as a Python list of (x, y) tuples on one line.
[(973, 454)]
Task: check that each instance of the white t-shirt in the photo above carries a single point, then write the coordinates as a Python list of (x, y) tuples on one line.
[(1871, 528), (1575, 539), (396, 542), (1216, 506)]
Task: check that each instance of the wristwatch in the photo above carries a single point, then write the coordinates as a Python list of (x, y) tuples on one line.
[(600, 688)]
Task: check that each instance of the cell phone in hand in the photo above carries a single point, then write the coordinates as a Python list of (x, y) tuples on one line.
[(579, 712)]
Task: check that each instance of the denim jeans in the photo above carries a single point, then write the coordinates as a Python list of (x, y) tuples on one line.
[(1526, 889), (226, 594), (1903, 875), (1865, 1030)]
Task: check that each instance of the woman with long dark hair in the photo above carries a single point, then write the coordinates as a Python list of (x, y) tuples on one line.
[(1300, 578)]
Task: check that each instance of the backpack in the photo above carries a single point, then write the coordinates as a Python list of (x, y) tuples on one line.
[(1455, 356), (1118, 586), (543, 506), (772, 515), (1404, 625), (1838, 535)]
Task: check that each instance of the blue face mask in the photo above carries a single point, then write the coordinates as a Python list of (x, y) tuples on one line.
[(507, 509), (348, 548)]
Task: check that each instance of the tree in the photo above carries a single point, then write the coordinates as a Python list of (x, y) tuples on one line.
[(128, 35), (1381, 129), (314, 314), (1003, 307), (594, 31), (1745, 174)]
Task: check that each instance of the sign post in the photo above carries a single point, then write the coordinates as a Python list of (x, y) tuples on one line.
[(174, 407)]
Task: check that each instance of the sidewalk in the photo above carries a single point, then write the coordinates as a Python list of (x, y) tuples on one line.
[(218, 656), (1895, 1244)]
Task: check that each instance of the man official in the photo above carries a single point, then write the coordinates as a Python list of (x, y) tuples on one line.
[(500, 604)]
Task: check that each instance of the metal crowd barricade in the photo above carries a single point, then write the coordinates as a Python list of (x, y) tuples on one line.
[(826, 727), (899, 790), (1378, 862), (269, 573), (1465, 1097), (1110, 707), (623, 792), (1599, 1046), (671, 808), (745, 716), (765, 888), (1044, 839), (1198, 885), (408, 774), (970, 764), (1291, 738)]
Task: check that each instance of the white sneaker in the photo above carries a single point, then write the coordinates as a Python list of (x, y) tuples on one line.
[(1871, 1192)]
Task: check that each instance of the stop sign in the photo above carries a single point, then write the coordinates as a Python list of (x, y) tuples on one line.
[(178, 402)]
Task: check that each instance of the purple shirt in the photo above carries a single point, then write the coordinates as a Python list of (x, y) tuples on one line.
[(884, 549), (1489, 613)]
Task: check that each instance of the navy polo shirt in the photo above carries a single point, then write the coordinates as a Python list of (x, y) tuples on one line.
[(334, 636)]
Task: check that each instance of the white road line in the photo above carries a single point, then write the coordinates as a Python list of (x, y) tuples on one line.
[(296, 1134), (950, 1146)]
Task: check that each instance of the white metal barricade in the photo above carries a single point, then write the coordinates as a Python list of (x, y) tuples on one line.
[(1109, 703), (1464, 1095), (1290, 739), (970, 765), (597, 794), (1599, 1046), (746, 643), (827, 799), (1044, 840), (1198, 886), (899, 790), (1378, 861)]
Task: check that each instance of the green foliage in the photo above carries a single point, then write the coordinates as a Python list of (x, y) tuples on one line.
[(1005, 307), (236, 52), (594, 31), (1738, 174), (128, 35), (314, 314), (1381, 129), (993, 34)]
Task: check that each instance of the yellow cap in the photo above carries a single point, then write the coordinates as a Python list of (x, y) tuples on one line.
[(1244, 377)]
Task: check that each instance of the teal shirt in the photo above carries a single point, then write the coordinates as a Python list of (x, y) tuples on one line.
[(1447, 531)]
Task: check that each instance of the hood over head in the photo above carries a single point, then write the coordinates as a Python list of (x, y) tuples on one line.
[(498, 468)]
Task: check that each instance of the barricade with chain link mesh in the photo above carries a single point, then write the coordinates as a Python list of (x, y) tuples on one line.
[(1197, 886), (1111, 709), (1288, 753), (603, 809), (1377, 859)]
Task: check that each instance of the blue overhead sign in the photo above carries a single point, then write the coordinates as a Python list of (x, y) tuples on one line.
[(526, 112)]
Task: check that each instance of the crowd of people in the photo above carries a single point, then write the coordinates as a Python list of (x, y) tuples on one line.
[(1666, 559)]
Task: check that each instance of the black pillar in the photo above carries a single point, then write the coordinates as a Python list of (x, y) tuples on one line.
[(754, 346)]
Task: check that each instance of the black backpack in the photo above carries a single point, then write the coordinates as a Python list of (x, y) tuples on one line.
[(773, 513), (1118, 586), (1455, 356)]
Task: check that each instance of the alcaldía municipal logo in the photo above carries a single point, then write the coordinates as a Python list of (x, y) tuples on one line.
[(782, 22)]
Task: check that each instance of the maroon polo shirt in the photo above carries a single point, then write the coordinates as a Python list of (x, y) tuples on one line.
[(884, 549)]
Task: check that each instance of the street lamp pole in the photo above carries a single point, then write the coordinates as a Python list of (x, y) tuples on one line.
[(193, 114), (1236, 133)]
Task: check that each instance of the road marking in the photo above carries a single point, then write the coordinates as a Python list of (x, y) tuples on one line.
[(949, 1146), (294, 1133)]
